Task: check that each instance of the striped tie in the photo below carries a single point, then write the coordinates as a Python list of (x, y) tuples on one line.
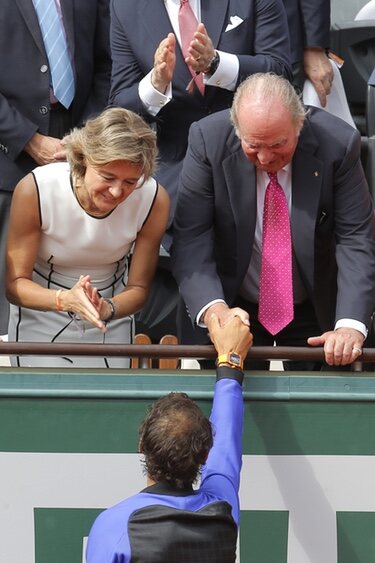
[(57, 51)]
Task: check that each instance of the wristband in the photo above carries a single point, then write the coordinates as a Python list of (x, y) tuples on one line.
[(113, 310), (59, 305)]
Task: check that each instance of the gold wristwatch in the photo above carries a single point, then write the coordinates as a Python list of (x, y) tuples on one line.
[(232, 360)]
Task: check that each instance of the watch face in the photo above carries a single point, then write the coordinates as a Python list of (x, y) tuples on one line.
[(235, 359)]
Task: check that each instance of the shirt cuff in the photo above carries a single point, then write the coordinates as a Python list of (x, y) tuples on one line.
[(198, 320), (226, 74), (352, 323), (152, 99)]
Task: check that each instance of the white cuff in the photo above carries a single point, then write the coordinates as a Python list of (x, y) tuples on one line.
[(352, 323), (153, 100), (198, 320), (226, 74)]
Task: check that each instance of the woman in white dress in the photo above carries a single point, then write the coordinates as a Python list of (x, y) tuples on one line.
[(73, 226)]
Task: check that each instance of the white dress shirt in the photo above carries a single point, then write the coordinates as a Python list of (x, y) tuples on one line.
[(225, 76)]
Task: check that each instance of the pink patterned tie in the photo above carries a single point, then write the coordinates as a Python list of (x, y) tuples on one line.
[(276, 283), (188, 24)]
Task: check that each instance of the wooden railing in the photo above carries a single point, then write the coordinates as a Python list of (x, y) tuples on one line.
[(145, 351)]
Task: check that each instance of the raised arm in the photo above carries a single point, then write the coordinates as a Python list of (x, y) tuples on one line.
[(222, 470)]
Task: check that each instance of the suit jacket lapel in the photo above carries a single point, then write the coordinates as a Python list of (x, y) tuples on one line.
[(67, 9), (240, 178), (213, 15), (307, 174), (26, 7), (153, 15)]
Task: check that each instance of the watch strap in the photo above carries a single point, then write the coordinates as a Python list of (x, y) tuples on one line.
[(232, 360), (214, 63)]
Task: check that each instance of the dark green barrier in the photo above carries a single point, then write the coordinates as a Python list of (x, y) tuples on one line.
[(68, 448)]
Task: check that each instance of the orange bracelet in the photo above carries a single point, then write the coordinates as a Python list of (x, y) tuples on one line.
[(59, 306)]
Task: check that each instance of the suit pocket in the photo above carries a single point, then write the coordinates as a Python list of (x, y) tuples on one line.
[(239, 40)]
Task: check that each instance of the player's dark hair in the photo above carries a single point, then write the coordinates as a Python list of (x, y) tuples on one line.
[(175, 438)]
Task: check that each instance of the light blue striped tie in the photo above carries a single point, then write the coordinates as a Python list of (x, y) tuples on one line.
[(57, 51)]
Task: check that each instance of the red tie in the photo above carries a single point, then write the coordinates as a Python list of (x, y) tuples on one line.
[(276, 282), (188, 24)]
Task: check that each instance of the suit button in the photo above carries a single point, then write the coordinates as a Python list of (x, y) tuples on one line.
[(43, 68), (43, 110)]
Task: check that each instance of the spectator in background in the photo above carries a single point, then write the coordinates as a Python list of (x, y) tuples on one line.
[(33, 118), (316, 74), (83, 219), (151, 73), (169, 521), (309, 24), (367, 12), (274, 221)]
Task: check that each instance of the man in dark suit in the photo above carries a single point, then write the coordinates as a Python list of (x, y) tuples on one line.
[(32, 121), (309, 28), (233, 40), (217, 254)]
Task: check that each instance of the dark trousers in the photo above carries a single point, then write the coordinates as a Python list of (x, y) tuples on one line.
[(60, 121), (295, 333)]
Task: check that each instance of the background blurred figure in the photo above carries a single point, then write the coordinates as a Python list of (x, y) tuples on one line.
[(150, 71), (367, 12), (315, 74), (309, 27), (169, 521), (32, 119), (83, 218), (274, 220)]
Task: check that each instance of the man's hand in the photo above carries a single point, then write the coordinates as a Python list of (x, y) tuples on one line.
[(164, 63), (319, 70), (341, 347), (44, 149), (201, 50), (233, 337), (225, 314)]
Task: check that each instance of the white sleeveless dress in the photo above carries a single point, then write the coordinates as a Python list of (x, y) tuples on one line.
[(74, 243)]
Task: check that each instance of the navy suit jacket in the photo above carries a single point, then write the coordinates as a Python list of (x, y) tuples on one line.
[(260, 41), (332, 218), (24, 76), (309, 24)]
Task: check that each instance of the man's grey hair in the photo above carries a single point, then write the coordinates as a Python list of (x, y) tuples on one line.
[(267, 86)]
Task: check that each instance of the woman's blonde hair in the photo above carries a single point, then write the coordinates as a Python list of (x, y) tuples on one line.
[(115, 134)]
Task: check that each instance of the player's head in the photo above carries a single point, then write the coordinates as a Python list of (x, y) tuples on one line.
[(175, 438)]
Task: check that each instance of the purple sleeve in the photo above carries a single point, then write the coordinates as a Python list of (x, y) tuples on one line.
[(221, 473)]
